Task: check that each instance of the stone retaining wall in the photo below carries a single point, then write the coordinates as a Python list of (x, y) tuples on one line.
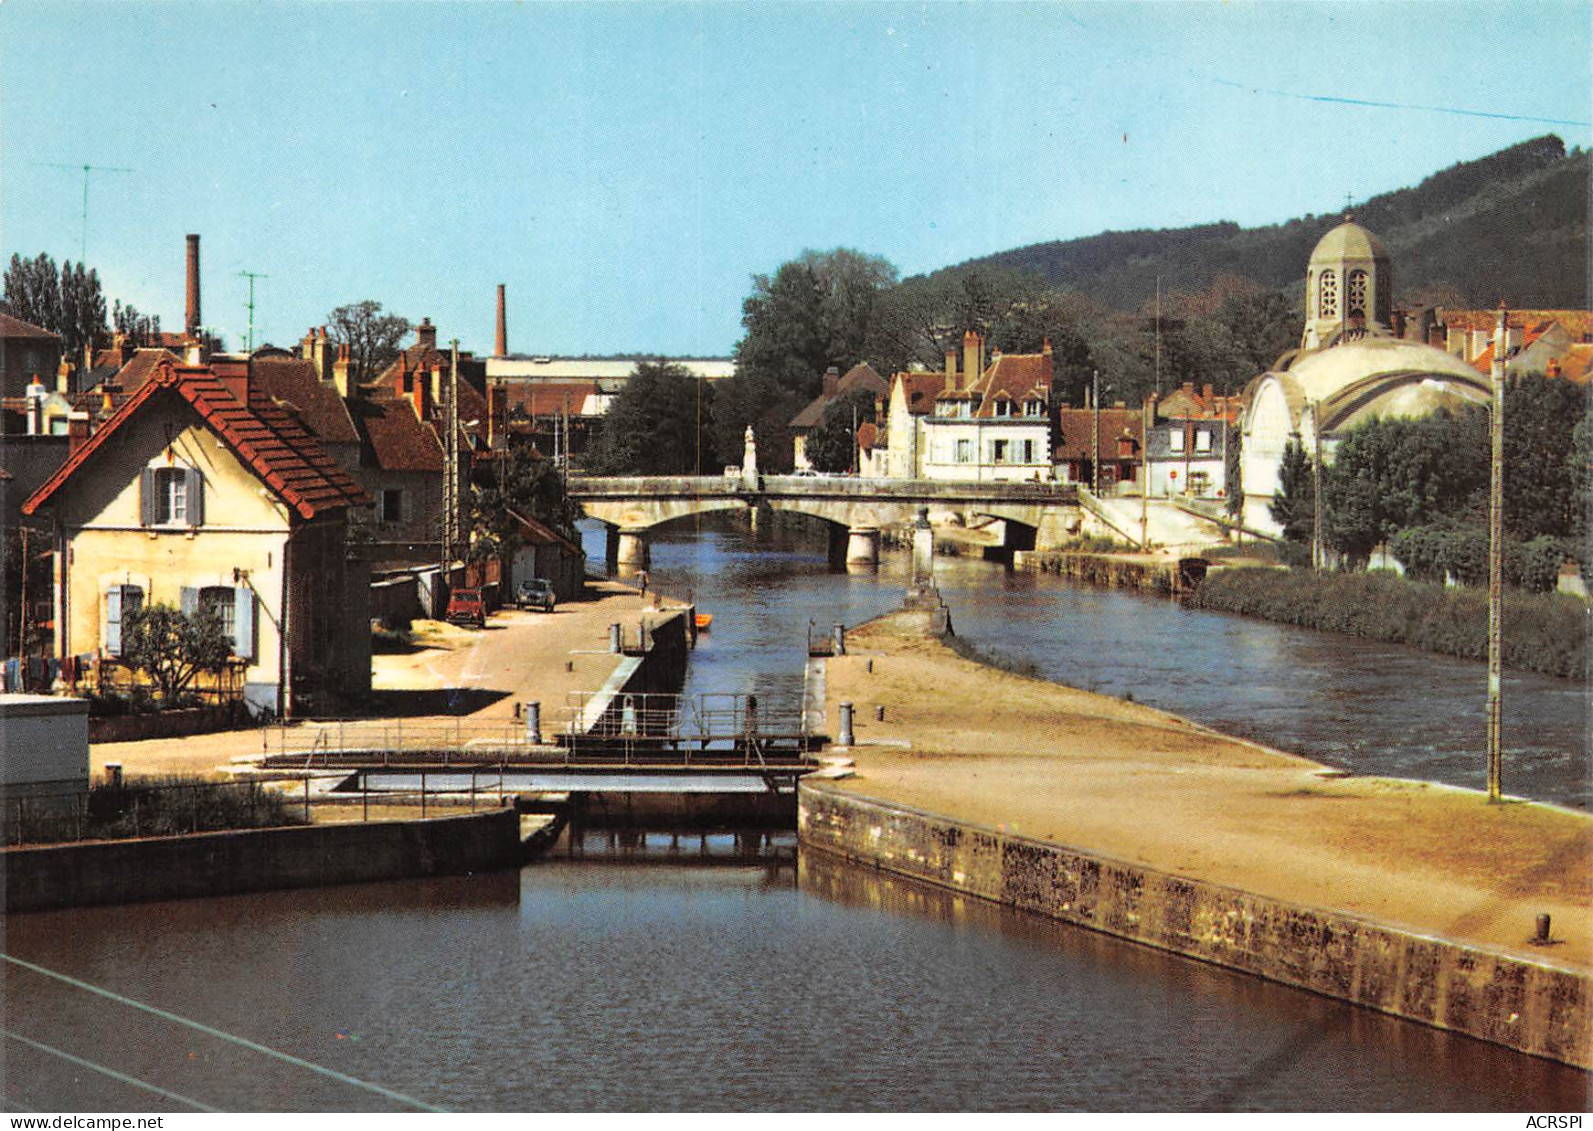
[(1526, 1005), (224, 863)]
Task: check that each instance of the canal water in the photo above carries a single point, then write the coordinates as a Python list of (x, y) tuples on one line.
[(1369, 708), (601, 985), (728, 972)]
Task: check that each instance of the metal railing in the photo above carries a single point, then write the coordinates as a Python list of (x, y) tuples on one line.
[(133, 809)]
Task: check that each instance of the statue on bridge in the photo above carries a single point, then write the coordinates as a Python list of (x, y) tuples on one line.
[(749, 461)]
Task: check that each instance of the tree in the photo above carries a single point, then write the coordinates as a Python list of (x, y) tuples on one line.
[(173, 647), (1541, 416), (82, 310), (141, 329), (373, 338), (1294, 504), (33, 291), (832, 445), (813, 312), (520, 484), (658, 425)]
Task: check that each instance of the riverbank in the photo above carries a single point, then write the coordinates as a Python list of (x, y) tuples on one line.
[(1412, 898)]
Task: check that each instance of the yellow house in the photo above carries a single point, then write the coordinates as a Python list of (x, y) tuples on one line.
[(201, 491)]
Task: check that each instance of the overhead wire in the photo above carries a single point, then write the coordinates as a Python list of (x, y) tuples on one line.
[(106, 1071), (242, 1042)]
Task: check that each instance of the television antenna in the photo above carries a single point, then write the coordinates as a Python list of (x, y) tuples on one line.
[(87, 169), (252, 276)]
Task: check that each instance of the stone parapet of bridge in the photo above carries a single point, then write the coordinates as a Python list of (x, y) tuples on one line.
[(634, 504)]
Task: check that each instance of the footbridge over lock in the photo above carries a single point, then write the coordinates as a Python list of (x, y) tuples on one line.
[(1037, 515)]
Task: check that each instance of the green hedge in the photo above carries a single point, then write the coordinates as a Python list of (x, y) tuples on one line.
[(1543, 632)]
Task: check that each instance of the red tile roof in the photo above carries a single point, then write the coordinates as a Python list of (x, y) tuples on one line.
[(12, 327), (296, 382), (867, 435), (920, 390), (1578, 322), (265, 438), (1016, 377), (540, 534), (138, 368), (860, 376), (1074, 426), (549, 398), (397, 438)]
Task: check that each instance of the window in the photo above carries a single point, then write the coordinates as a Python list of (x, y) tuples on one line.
[(964, 451), (234, 605), (220, 599), (120, 602), (998, 451), (1002, 407), (1175, 440), (392, 505), (1203, 441), (1033, 408), (1028, 451), (1327, 295), (1357, 294), (171, 496)]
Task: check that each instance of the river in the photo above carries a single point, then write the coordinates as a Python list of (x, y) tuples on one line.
[(756, 979)]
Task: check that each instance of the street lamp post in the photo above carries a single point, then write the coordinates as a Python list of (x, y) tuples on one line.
[(1496, 560)]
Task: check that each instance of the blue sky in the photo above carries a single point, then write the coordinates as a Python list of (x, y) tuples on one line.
[(626, 168)]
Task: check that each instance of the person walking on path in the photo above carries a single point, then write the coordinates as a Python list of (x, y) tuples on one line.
[(641, 579)]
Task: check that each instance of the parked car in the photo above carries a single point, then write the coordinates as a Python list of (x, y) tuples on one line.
[(466, 607), (536, 593)]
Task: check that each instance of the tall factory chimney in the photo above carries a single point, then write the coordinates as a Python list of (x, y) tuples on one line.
[(501, 342), (193, 286)]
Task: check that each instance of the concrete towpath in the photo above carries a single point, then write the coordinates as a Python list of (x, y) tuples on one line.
[(985, 747), (519, 657)]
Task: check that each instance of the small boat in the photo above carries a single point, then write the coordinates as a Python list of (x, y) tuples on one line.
[(703, 621)]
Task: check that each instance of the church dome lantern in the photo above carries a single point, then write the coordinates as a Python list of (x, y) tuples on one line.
[(1349, 287)]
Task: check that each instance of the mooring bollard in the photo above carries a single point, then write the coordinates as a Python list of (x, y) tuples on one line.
[(838, 638), (879, 713), (614, 643), (533, 723), (1543, 929), (845, 738), (871, 667), (113, 774)]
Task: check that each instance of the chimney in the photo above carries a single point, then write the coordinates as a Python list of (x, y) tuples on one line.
[(497, 415), (973, 359), (63, 376), (342, 375), (500, 347), (193, 286), (77, 431), (951, 369), (1554, 367), (426, 335), (234, 375), (88, 357), (194, 354), (307, 345), (832, 381), (1189, 389), (1208, 399), (1399, 323), (421, 390), (318, 354), (35, 394)]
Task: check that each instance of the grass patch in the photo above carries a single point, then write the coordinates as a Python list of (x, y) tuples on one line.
[(1543, 632)]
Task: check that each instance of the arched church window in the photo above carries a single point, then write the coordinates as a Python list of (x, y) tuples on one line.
[(1357, 294), (1327, 295)]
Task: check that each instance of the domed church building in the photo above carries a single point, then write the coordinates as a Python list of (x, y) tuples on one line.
[(1353, 365)]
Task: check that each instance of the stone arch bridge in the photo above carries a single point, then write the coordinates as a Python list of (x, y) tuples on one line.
[(1037, 515)]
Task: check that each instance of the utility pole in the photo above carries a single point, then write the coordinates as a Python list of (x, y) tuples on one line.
[(1319, 510), (1144, 475), (1095, 437), (1158, 335), (83, 245), (252, 276), (1496, 561)]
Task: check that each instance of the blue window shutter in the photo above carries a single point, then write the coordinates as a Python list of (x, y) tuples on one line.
[(243, 622), (113, 620), (147, 501), (196, 497), (190, 601)]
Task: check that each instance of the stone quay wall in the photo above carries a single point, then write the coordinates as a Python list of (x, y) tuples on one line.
[(245, 860), (1530, 1006)]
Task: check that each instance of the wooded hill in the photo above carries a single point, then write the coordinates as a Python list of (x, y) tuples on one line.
[(1510, 226)]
